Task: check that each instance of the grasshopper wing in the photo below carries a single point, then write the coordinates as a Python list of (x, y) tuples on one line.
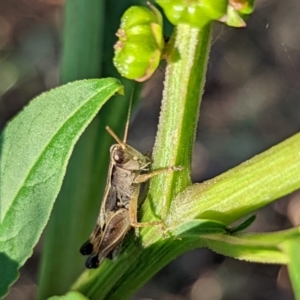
[(118, 225)]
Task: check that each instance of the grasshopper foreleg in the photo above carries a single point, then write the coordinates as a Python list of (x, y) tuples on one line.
[(144, 177)]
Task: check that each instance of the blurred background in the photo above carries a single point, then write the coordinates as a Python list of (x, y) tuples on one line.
[(251, 102)]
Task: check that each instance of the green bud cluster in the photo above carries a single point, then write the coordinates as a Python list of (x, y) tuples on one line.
[(139, 48)]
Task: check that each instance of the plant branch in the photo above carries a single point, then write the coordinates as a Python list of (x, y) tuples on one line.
[(243, 189), (187, 55)]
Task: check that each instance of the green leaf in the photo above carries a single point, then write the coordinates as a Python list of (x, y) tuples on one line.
[(70, 296), (255, 247), (233, 18), (242, 226), (36, 147)]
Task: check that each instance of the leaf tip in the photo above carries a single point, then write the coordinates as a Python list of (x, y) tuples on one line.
[(121, 90)]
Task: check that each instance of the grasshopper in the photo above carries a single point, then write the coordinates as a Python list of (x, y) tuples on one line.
[(128, 169)]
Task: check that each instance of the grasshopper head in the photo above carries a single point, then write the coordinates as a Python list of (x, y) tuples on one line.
[(125, 156), (128, 158)]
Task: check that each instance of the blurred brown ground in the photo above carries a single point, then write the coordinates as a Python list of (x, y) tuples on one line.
[(251, 102)]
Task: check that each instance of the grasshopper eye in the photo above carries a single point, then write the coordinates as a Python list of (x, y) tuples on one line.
[(119, 157)]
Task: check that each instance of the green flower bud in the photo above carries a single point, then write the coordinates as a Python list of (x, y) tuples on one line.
[(140, 45), (196, 13)]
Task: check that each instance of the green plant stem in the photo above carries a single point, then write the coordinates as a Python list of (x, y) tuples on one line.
[(185, 77), (187, 57), (120, 279)]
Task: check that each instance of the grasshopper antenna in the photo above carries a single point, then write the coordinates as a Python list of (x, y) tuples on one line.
[(128, 117), (111, 132)]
